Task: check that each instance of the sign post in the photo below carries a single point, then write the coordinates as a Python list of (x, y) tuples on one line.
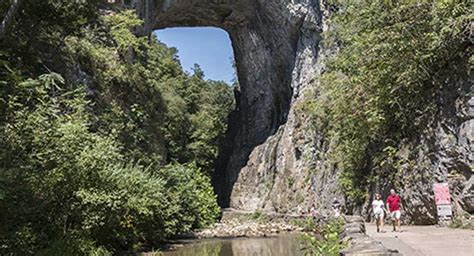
[(443, 200)]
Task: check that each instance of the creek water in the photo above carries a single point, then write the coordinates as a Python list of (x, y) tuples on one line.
[(281, 245)]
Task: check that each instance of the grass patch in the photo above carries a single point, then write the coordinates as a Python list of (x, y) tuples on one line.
[(258, 216)]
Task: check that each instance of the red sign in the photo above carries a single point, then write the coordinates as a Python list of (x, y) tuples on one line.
[(441, 191)]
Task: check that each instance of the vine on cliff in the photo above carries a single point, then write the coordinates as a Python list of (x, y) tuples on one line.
[(381, 87)]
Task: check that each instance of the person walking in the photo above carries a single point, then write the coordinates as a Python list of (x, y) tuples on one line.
[(379, 211), (394, 206), (336, 207)]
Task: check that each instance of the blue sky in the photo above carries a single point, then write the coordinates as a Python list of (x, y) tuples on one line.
[(209, 47)]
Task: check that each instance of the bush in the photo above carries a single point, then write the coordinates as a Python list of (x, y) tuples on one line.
[(142, 205), (189, 189), (71, 246), (59, 179), (326, 241), (307, 224), (85, 154)]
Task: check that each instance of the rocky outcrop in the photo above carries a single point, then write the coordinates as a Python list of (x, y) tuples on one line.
[(271, 160), (265, 37), (246, 229), (236, 223)]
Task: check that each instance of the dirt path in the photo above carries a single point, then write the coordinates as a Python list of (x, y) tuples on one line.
[(426, 240)]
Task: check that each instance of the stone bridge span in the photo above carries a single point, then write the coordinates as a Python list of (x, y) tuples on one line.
[(276, 45), (271, 160)]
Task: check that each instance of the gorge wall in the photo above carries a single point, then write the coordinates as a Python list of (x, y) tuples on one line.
[(271, 160)]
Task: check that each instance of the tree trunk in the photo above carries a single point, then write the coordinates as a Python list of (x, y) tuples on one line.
[(9, 17)]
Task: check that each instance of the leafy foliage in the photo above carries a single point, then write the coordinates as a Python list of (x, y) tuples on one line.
[(76, 181), (112, 150), (380, 89), (307, 224), (326, 241), (78, 247)]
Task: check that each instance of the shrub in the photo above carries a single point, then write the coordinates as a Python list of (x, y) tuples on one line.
[(85, 167), (59, 179), (71, 246), (326, 241)]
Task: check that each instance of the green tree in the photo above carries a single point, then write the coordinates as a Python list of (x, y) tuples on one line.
[(98, 156)]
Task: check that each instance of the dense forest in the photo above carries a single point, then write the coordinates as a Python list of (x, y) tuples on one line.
[(106, 144)]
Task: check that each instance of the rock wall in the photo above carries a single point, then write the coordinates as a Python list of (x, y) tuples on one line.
[(271, 160), (443, 153), (276, 51), (276, 176)]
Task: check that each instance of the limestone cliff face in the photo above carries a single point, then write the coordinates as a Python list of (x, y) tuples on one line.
[(444, 153), (272, 161), (276, 47)]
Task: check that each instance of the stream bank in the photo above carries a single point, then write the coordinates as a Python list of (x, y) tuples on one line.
[(256, 233)]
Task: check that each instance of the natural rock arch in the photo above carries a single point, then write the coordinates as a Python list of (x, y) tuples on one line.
[(269, 39), (267, 161)]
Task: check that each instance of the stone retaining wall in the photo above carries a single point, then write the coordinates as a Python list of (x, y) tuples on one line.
[(360, 244)]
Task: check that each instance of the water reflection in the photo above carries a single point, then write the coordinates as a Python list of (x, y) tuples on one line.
[(283, 245)]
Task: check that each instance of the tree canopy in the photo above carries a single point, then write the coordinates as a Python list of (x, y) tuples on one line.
[(106, 144)]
